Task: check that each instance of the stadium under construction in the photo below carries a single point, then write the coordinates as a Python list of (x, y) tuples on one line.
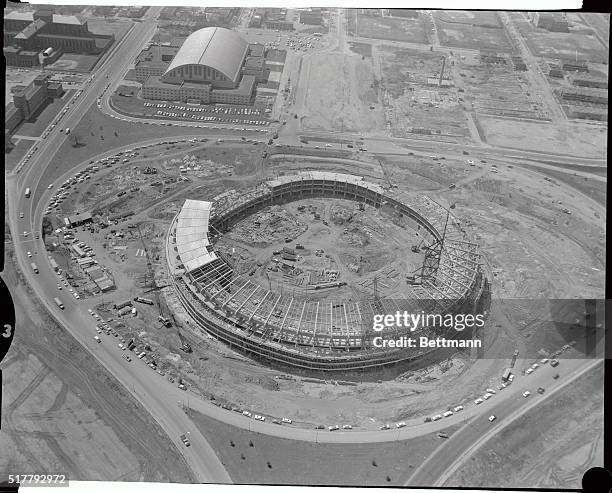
[(305, 334)]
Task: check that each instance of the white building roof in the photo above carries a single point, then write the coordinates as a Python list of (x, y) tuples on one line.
[(215, 47)]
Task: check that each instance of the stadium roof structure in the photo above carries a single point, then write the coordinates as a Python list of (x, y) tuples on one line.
[(192, 234), (215, 47)]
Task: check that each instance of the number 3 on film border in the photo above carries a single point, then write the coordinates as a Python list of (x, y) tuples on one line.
[(7, 319)]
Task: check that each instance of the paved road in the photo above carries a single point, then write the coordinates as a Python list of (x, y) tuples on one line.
[(452, 453)]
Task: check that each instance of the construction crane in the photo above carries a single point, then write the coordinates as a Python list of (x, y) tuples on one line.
[(165, 321)]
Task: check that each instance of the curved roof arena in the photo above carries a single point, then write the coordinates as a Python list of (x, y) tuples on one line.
[(215, 47)]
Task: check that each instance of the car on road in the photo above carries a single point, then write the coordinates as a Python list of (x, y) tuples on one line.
[(442, 435), (385, 427), (401, 424), (185, 440), (526, 394), (492, 417), (333, 428)]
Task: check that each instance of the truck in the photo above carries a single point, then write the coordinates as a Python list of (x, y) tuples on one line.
[(59, 303), (506, 374), (34, 268), (27, 193), (146, 301)]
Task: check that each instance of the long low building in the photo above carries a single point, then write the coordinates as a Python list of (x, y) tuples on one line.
[(322, 335)]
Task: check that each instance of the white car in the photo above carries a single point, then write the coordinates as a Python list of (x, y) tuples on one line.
[(544, 361), (458, 408), (247, 413), (529, 371), (50, 186), (534, 366), (526, 393), (287, 420), (259, 418), (30, 254), (490, 391), (492, 417), (59, 286), (21, 215), (25, 234), (478, 401), (447, 414), (487, 396), (347, 427), (401, 424)]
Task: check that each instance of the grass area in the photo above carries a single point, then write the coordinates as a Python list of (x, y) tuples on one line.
[(472, 30), (548, 447), (363, 49), (62, 411), (12, 158), (409, 30), (74, 62), (283, 461), (44, 117)]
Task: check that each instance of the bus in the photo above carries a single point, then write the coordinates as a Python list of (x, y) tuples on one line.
[(58, 303), (27, 193)]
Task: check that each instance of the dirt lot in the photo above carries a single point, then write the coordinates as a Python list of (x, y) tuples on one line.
[(473, 30), (412, 105), (551, 446), (570, 139), (64, 412), (281, 461), (410, 30), (342, 94), (579, 41)]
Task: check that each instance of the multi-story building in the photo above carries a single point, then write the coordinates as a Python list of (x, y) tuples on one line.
[(212, 66), (31, 32)]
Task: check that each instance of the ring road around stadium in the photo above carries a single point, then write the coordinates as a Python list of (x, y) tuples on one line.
[(302, 334)]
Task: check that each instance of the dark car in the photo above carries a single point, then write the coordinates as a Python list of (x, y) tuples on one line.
[(319, 427), (541, 390)]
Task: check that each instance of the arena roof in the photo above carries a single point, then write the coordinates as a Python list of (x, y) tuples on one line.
[(215, 47), (192, 234)]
